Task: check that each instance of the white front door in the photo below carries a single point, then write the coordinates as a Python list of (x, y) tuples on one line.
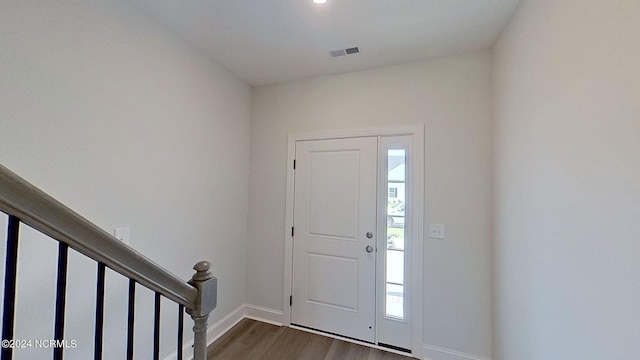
[(334, 246)]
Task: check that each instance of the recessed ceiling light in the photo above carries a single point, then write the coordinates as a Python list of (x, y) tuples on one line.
[(319, 2)]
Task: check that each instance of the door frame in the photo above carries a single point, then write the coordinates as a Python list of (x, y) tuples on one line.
[(417, 224)]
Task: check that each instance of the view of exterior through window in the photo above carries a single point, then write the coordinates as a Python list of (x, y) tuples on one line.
[(395, 255)]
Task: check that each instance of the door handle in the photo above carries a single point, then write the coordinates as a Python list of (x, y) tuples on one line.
[(369, 248), (369, 235)]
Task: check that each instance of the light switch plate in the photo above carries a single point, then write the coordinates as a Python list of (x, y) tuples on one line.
[(436, 231), (122, 234)]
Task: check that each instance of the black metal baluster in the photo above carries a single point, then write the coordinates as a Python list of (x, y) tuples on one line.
[(180, 331), (97, 348), (156, 329), (132, 308), (61, 296), (10, 280)]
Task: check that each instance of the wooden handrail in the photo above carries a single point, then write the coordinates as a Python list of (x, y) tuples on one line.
[(47, 215)]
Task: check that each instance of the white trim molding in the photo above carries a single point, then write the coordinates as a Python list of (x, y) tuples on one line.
[(417, 134), (277, 318), (266, 315), (213, 333), (225, 324), (437, 353)]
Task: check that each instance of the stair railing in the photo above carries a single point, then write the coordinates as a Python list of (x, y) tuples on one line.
[(24, 203)]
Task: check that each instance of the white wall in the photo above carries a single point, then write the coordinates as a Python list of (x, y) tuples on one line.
[(567, 181), (128, 125), (452, 97)]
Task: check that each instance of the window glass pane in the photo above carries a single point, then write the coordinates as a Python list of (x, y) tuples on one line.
[(395, 255), (395, 267), (395, 301)]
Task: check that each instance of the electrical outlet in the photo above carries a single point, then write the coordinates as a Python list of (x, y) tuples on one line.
[(122, 234), (436, 231)]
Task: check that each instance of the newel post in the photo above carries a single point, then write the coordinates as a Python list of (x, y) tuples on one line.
[(207, 286)]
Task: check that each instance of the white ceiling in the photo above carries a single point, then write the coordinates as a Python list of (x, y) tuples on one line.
[(272, 41)]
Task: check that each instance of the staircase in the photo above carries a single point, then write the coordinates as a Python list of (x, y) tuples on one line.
[(28, 207)]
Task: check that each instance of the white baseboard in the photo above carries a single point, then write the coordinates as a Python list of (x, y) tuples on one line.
[(225, 324), (275, 317), (230, 320), (213, 333), (264, 314), (437, 353)]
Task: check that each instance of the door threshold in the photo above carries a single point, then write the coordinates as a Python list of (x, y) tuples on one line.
[(383, 347), (398, 348)]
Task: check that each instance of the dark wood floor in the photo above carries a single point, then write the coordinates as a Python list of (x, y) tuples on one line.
[(256, 340)]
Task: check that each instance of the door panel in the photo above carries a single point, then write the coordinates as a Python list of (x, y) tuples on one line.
[(332, 183), (322, 287), (334, 209)]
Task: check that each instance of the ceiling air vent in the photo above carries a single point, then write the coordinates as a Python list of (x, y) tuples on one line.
[(347, 51)]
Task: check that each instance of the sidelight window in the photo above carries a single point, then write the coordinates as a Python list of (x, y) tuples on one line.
[(395, 249)]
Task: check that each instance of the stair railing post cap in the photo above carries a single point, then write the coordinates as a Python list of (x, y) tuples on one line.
[(203, 273), (203, 265)]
